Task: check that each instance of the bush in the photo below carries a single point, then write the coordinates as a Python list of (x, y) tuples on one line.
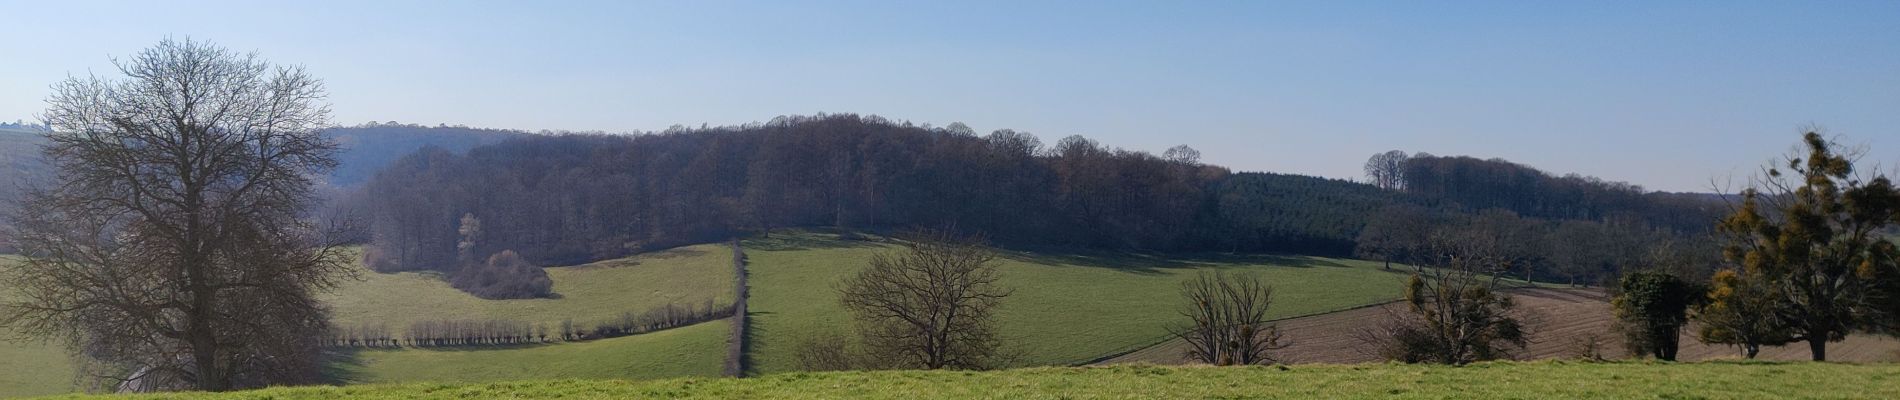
[(504, 276)]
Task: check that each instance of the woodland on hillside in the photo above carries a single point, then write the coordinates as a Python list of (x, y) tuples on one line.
[(572, 198)]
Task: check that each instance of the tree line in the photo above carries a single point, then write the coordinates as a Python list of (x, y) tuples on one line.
[(503, 332)]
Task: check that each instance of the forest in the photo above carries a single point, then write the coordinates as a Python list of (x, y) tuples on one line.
[(571, 198)]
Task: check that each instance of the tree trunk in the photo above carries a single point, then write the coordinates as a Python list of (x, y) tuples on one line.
[(1750, 350), (1818, 345)]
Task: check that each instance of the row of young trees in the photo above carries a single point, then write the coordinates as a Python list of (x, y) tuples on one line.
[(498, 332)]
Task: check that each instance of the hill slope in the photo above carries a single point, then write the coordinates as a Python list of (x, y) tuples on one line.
[(585, 293), (1067, 308), (1484, 380)]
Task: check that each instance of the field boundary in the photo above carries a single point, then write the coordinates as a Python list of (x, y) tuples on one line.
[(736, 364)]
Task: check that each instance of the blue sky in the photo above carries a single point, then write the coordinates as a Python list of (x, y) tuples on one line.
[(1668, 95)]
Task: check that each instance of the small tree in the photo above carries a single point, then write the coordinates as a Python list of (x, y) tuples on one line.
[(931, 306), (1457, 312), (1651, 309), (1394, 232), (1740, 311), (1227, 320)]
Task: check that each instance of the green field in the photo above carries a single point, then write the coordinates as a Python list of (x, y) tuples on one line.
[(587, 293), (1535, 380), (34, 368), (696, 350), (31, 367), (1066, 309)]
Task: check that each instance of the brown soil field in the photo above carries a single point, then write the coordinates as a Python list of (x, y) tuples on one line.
[(1562, 322)]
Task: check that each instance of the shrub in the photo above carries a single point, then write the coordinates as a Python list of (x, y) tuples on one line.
[(504, 276)]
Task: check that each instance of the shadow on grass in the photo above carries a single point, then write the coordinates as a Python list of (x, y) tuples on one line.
[(748, 361), (341, 367)]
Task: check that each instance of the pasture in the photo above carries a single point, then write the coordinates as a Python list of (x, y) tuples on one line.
[(1067, 308)]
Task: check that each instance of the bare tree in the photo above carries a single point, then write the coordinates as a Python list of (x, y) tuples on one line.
[(1228, 320), (172, 251), (932, 306), (1182, 154), (1394, 232), (1387, 170), (1457, 310)]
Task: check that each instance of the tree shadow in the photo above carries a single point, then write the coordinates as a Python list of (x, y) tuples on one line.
[(748, 361), (340, 366)]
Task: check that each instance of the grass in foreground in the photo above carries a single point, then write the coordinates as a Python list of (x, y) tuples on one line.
[(1486, 380), (1066, 309)]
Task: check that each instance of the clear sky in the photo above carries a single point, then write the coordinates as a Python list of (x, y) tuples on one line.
[(1664, 94)]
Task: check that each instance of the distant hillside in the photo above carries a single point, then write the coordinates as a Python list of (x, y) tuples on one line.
[(365, 150), (370, 147), (19, 159), (565, 199)]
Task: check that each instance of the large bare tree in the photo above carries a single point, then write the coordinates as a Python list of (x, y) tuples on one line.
[(932, 306), (173, 251)]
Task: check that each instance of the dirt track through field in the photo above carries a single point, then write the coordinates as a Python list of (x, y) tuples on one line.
[(1562, 318)]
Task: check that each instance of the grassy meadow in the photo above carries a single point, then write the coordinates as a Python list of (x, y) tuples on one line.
[(1066, 309), (1501, 380), (587, 293), (696, 350), (31, 367)]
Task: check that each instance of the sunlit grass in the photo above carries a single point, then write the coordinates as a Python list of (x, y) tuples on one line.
[(1534, 380)]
